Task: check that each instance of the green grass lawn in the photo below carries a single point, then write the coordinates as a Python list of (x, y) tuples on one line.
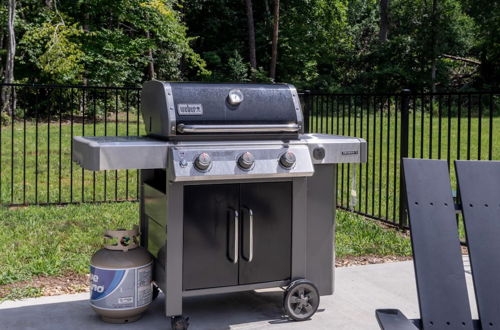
[(36, 167), (376, 184), (358, 236), (38, 240), (54, 240)]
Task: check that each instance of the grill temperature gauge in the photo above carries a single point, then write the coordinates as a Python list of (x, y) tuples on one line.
[(235, 97)]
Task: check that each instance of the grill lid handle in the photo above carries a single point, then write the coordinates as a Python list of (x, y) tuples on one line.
[(182, 128)]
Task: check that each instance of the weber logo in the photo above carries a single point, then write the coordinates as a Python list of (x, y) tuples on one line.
[(350, 152), (189, 109)]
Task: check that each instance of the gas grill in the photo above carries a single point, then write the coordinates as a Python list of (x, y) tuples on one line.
[(234, 196)]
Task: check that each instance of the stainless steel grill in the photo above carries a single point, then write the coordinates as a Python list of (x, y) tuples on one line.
[(234, 196)]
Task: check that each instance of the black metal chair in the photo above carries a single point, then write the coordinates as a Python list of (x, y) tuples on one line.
[(439, 269)]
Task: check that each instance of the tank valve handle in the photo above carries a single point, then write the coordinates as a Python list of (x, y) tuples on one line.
[(124, 239)]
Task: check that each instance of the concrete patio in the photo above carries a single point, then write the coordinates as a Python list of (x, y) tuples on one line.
[(358, 292)]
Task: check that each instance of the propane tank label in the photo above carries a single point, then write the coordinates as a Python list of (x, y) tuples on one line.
[(121, 288)]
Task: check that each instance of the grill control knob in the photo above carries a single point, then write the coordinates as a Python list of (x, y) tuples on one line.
[(287, 160), (246, 161), (319, 153), (203, 161)]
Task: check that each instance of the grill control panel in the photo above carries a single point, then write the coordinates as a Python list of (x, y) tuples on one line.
[(229, 162)]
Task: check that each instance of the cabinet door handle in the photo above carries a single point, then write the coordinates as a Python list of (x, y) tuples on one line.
[(234, 238), (249, 256)]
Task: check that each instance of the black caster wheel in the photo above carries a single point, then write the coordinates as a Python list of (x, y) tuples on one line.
[(179, 322), (156, 291), (301, 300)]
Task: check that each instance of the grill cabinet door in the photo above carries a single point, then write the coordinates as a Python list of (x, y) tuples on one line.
[(265, 248), (209, 237)]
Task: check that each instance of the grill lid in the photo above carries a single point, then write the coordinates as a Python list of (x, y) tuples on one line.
[(182, 110)]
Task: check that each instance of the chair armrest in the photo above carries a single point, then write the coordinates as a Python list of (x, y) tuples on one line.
[(393, 319)]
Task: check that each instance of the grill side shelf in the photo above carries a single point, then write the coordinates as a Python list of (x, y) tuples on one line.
[(116, 153), (334, 149)]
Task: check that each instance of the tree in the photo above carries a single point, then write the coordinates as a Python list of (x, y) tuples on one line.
[(151, 67), (274, 49), (105, 42), (251, 34), (8, 93), (313, 43), (384, 20), (332, 45), (421, 32), (434, 38), (486, 45)]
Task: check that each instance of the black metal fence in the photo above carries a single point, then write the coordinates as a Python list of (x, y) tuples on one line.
[(419, 125), (35, 141)]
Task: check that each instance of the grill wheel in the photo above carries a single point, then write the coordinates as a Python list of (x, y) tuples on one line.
[(301, 300), (179, 322)]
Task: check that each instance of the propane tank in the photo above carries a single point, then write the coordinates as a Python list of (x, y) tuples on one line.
[(121, 278)]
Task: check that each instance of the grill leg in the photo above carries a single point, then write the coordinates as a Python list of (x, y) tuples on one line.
[(173, 262), (299, 228)]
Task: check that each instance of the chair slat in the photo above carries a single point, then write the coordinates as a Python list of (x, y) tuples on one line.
[(393, 319), (479, 184), (439, 269)]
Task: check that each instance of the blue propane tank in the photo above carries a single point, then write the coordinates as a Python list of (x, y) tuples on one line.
[(121, 278)]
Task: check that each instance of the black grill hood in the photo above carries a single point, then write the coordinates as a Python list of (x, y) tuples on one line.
[(175, 110)]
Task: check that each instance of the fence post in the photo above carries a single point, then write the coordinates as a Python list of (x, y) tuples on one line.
[(403, 148), (306, 110)]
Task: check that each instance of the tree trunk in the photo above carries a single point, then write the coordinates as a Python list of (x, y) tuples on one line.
[(86, 20), (151, 66), (2, 69), (384, 20), (267, 10), (274, 51), (8, 93), (434, 46), (251, 34), (433, 75)]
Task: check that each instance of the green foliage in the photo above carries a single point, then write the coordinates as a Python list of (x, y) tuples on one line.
[(330, 45), (105, 42), (4, 119), (312, 41), (219, 28), (334, 45), (22, 292), (238, 70), (113, 58), (486, 17), (53, 49)]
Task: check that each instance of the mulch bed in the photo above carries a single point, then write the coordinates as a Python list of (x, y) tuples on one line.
[(368, 260), (51, 285)]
